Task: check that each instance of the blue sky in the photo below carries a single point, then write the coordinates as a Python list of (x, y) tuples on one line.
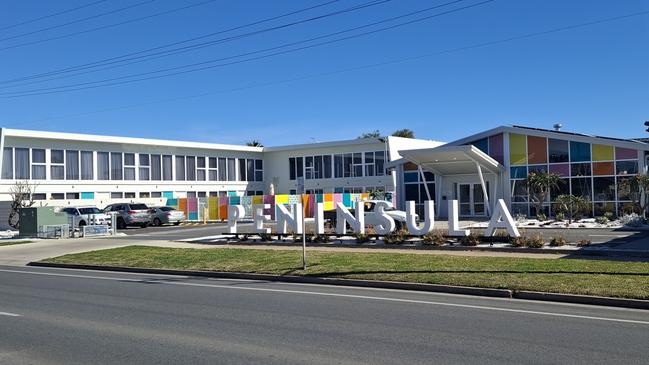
[(594, 79)]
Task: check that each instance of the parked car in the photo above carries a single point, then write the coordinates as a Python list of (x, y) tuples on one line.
[(130, 214), (82, 216), (166, 215)]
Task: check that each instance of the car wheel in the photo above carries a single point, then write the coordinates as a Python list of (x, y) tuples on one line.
[(157, 222), (177, 223), (144, 225), (82, 223), (120, 223)]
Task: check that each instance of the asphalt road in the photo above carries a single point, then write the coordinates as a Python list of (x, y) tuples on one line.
[(50, 316)]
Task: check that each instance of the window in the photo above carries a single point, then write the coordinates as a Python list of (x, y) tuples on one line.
[(201, 194), (39, 196), (580, 169), (191, 194), (518, 172), (129, 166), (8, 163), (72, 195), (38, 164), (116, 166), (242, 169), (299, 166), (222, 170), (57, 196), (582, 187), (626, 167), (338, 166), (129, 196), (379, 162), (22, 163), (167, 169), (369, 163), (156, 194), (291, 168), (156, 171), (180, 168), (71, 165), (259, 170), (213, 170), (326, 160), (347, 165), (250, 169), (145, 195), (308, 167), (145, 167), (103, 166), (557, 150), (317, 167), (190, 161), (579, 151), (358, 165), (57, 167), (200, 168), (232, 173), (87, 166), (116, 196), (604, 188)]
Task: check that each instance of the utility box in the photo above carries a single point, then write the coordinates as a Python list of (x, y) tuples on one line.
[(32, 219)]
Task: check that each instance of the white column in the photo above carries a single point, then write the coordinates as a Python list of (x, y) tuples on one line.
[(484, 188)]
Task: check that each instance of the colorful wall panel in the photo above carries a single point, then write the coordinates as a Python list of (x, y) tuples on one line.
[(517, 149)]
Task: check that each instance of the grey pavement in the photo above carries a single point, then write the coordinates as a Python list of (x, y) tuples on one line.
[(56, 316)]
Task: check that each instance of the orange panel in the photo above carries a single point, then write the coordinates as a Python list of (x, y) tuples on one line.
[(537, 150), (603, 168)]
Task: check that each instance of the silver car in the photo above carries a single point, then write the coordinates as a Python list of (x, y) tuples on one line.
[(166, 215), (130, 214)]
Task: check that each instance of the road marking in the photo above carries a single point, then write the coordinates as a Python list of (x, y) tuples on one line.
[(10, 314), (339, 295)]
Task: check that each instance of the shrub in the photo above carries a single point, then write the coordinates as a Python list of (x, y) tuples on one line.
[(558, 241), (518, 241), (560, 216), (471, 240), (535, 241), (520, 217), (436, 237), (609, 215), (362, 237), (320, 238), (574, 206), (396, 237), (244, 238), (265, 237), (632, 220), (601, 220), (541, 217), (583, 243)]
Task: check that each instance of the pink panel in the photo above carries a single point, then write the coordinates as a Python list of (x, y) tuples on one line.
[(270, 199), (496, 148), (625, 153), (338, 198), (560, 169)]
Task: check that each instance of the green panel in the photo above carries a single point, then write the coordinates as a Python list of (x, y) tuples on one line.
[(603, 153), (517, 149)]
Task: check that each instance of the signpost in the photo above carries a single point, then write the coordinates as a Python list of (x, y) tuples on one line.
[(300, 190)]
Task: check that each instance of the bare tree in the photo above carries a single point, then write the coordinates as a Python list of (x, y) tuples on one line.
[(22, 196)]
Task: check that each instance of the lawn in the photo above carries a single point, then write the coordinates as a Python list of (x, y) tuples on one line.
[(9, 243), (575, 276)]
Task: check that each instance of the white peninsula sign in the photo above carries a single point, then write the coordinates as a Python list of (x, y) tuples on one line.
[(291, 220)]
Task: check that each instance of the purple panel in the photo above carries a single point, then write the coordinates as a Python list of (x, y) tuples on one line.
[(625, 153), (270, 199), (192, 205), (311, 205), (496, 148), (561, 169)]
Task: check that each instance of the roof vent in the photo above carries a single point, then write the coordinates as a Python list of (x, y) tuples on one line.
[(557, 126)]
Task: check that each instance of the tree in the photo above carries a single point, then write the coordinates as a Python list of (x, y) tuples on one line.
[(539, 185), (405, 133), (373, 134), (22, 196), (573, 206), (637, 187), (254, 143)]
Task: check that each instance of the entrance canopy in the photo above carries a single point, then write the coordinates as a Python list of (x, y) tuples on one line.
[(451, 160)]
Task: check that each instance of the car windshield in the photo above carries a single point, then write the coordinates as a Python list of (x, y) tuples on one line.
[(139, 207), (92, 210)]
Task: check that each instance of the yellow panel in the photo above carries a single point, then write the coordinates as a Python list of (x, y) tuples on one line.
[(281, 199), (603, 153), (258, 199), (329, 205), (517, 149), (213, 208)]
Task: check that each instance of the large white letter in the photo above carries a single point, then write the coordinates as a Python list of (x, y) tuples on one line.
[(429, 219), (319, 218), (501, 218), (343, 216), (260, 218), (453, 221), (286, 218), (386, 224), (234, 213)]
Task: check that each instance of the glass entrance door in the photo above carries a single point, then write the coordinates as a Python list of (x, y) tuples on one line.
[(471, 199)]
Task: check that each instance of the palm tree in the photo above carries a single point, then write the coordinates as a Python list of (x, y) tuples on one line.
[(373, 134), (539, 185), (405, 133), (254, 143)]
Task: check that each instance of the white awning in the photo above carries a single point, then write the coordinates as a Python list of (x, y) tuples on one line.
[(450, 160)]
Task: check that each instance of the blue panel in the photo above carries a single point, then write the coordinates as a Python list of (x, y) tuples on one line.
[(232, 193), (87, 195), (518, 172), (482, 144), (168, 194), (579, 151), (193, 216), (411, 176)]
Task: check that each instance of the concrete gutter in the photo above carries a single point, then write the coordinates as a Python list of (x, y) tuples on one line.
[(488, 292)]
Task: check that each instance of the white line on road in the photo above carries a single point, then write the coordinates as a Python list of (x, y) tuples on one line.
[(10, 314), (339, 295)]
